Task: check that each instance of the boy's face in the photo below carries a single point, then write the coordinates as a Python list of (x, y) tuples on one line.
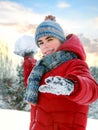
[(48, 44)]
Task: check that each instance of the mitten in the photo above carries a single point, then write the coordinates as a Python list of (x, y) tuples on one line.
[(57, 85)]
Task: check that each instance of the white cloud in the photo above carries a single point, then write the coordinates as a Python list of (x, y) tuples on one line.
[(11, 12), (85, 26), (15, 19), (91, 48), (63, 5), (91, 45), (96, 22)]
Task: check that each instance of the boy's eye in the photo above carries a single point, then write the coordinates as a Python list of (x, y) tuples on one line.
[(39, 42), (50, 39)]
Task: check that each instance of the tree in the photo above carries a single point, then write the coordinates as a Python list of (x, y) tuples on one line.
[(11, 85), (93, 109), (17, 91), (6, 66), (94, 71), (6, 72)]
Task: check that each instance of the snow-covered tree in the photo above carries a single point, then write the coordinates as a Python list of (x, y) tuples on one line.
[(6, 71), (93, 110), (94, 71), (17, 91)]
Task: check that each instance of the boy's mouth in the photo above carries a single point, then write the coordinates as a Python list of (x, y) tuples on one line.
[(50, 51)]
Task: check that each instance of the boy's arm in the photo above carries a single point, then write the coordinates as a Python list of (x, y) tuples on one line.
[(28, 64)]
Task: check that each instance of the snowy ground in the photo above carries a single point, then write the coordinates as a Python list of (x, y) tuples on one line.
[(19, 120), (14, 120)]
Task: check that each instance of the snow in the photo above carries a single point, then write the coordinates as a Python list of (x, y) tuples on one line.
[(19, 120), (14, 120), (25, 43)]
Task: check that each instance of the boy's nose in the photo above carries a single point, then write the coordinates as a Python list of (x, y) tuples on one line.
[(45, 45)]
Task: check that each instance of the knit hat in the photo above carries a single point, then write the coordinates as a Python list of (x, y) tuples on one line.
[(49, 28)]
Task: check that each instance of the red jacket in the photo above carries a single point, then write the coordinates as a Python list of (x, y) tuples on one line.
[(55, 112)]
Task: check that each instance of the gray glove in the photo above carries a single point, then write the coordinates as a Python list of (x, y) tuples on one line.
[(57, 85)]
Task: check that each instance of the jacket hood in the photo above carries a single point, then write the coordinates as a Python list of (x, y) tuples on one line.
[(73, 44)]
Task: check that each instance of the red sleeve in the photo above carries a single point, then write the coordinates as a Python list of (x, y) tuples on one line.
[(28, 64), (86, 88)]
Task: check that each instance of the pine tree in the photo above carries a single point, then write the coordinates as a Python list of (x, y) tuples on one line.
[(11, 85), (93, 109), (17, 91), (6, 73), (6, 66), (94, 71)]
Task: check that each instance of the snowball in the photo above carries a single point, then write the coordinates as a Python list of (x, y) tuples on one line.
[(25, 44)]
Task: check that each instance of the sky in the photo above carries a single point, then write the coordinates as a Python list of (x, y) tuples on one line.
[(19, 120), (18, 17)]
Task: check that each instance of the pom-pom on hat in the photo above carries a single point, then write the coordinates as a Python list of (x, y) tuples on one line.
[(49, 28)]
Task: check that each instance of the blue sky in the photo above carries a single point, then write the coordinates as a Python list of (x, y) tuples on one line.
[(69, 8), (75, 16)]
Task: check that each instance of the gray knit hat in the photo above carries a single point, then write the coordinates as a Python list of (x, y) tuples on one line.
[(49, 28)]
